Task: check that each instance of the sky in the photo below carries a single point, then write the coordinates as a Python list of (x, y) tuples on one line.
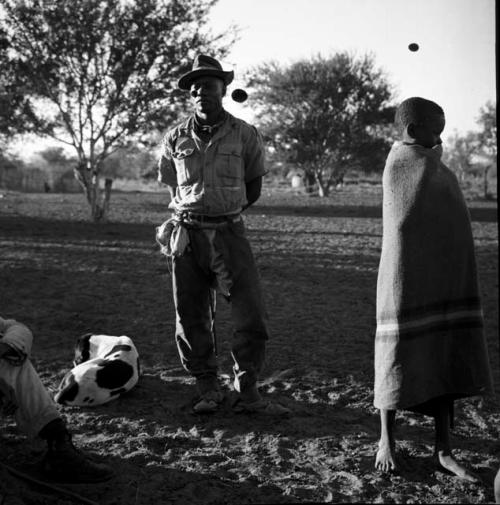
[(454, 66)]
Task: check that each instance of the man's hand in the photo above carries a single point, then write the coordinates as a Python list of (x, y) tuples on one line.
[(8, 403)]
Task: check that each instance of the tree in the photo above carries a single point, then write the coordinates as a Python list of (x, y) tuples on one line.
[(487, 122), (475, 152), (487, 139), (13, 103), (459, 154), (94, 73), (325, 115)]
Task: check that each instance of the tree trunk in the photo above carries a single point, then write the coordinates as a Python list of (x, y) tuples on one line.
[(308, 181), (323, 189), (95, 209), (79, 174), (107, 196), (90, 184), (485, 181)]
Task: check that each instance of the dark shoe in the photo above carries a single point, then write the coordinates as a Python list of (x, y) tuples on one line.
[(66, 463), (208, 403)]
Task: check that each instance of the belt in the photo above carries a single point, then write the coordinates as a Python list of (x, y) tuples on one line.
[(212, 219)]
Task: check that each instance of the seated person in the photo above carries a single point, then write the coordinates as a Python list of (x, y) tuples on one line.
[(23, 395)]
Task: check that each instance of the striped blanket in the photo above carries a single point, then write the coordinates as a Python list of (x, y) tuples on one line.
[(429, 341)]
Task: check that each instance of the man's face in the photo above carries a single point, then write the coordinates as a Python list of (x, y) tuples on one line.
[(207, 93)]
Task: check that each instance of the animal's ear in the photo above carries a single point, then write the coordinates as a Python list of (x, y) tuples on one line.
[(82, 349)]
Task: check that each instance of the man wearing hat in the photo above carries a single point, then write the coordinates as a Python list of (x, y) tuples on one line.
[(213, 165)]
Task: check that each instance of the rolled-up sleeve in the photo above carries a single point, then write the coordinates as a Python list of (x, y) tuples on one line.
[(253, 154), (166, 166)]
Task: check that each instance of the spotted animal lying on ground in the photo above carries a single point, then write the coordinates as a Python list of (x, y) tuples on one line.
[(105, 367)]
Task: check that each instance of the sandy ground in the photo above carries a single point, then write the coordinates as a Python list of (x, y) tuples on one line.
[(318, 259)]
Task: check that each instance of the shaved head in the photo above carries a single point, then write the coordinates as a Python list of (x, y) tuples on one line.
[(417, 111)]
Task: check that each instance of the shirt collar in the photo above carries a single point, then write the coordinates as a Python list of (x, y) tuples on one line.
[(199, 127)]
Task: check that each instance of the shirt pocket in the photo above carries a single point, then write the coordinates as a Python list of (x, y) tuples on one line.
[(229, 166), (187, 166)]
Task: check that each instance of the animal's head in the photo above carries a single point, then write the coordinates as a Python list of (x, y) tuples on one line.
[(82, 349)]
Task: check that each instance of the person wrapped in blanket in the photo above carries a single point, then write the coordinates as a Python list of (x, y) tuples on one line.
[(23, 395), (430, 348), (213, 165)]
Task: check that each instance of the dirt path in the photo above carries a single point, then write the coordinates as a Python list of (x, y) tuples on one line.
[(318, 261)]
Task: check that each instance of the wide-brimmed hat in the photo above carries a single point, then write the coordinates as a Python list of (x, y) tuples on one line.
[(205, 65)]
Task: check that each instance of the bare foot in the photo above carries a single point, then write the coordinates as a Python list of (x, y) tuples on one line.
[(448, 462), (385, 461), (497, 487)]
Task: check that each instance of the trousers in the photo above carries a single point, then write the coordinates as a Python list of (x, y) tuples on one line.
[(193, 277), (35, 407)]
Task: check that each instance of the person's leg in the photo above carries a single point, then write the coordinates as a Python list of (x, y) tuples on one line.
[(194, 336), (250, 333), (35, 407), (64, 462), (249, 319), (248, 313), (36, 414), (386, 454), (193, 333), (442, 444)]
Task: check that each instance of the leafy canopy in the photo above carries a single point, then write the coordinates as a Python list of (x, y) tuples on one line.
[(487, 122), (93, 72), (325, 114)]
